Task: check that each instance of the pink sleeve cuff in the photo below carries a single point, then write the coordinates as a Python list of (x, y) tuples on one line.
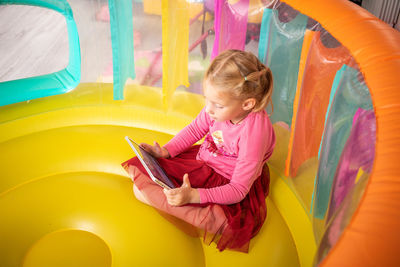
[(171, 150), (203, 195)]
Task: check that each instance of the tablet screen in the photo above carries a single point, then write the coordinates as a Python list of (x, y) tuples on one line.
[(150, 164)]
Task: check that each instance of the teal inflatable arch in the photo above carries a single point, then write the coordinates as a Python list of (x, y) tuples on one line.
[(49, 84)]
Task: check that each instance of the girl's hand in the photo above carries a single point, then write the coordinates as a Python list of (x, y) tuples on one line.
[(156, 151), (182, 195)]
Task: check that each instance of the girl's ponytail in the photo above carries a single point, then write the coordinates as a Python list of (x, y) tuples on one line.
[(266, 88)]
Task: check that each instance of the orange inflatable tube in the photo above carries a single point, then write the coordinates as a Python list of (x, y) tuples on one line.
[(372, 236)]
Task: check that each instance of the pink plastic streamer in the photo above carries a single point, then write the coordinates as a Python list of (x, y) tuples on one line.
[(230, 25)]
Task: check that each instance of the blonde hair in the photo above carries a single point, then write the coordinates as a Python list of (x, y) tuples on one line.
[(243, 75)]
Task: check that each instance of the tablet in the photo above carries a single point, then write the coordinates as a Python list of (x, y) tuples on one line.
[(153, 168)]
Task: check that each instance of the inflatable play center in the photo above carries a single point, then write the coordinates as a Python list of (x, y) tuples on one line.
[(99, 70)]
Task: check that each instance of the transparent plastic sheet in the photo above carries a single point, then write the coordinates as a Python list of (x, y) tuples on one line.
[(326, 56), (254, 21), (148, 52), (93, 22), (147, 35), (281, 40), (202, 33), (347, 96), (95, 38), (201, 39), (350, 179)]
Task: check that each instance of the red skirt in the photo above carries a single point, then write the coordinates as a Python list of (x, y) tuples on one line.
[(230, 226)]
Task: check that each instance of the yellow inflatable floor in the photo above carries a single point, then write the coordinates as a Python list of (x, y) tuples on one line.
[(66, 201)]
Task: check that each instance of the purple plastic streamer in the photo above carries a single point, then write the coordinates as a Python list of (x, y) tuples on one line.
[(230, 25), (358, 153)]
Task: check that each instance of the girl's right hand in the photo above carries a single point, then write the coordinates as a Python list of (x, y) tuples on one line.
[(156, 151)]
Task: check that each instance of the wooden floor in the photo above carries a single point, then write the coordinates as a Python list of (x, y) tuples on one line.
[(33, 41)]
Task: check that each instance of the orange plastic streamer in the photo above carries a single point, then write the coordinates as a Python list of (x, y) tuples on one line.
[(321, 67), (308, 36)]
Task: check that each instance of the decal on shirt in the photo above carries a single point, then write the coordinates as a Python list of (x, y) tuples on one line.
[(217, 137), (214, 143)]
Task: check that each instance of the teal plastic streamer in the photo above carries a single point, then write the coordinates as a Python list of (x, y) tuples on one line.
[(350, 95), (335, 85), (265, 31), (122, 44), (50, 84), (280, 49)]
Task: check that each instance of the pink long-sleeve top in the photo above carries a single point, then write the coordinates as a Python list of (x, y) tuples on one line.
[(236, 151)]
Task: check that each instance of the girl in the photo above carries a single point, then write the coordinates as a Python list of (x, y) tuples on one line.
[(224, 181)]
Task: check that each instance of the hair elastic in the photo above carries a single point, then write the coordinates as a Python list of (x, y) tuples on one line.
[(245, 78)]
